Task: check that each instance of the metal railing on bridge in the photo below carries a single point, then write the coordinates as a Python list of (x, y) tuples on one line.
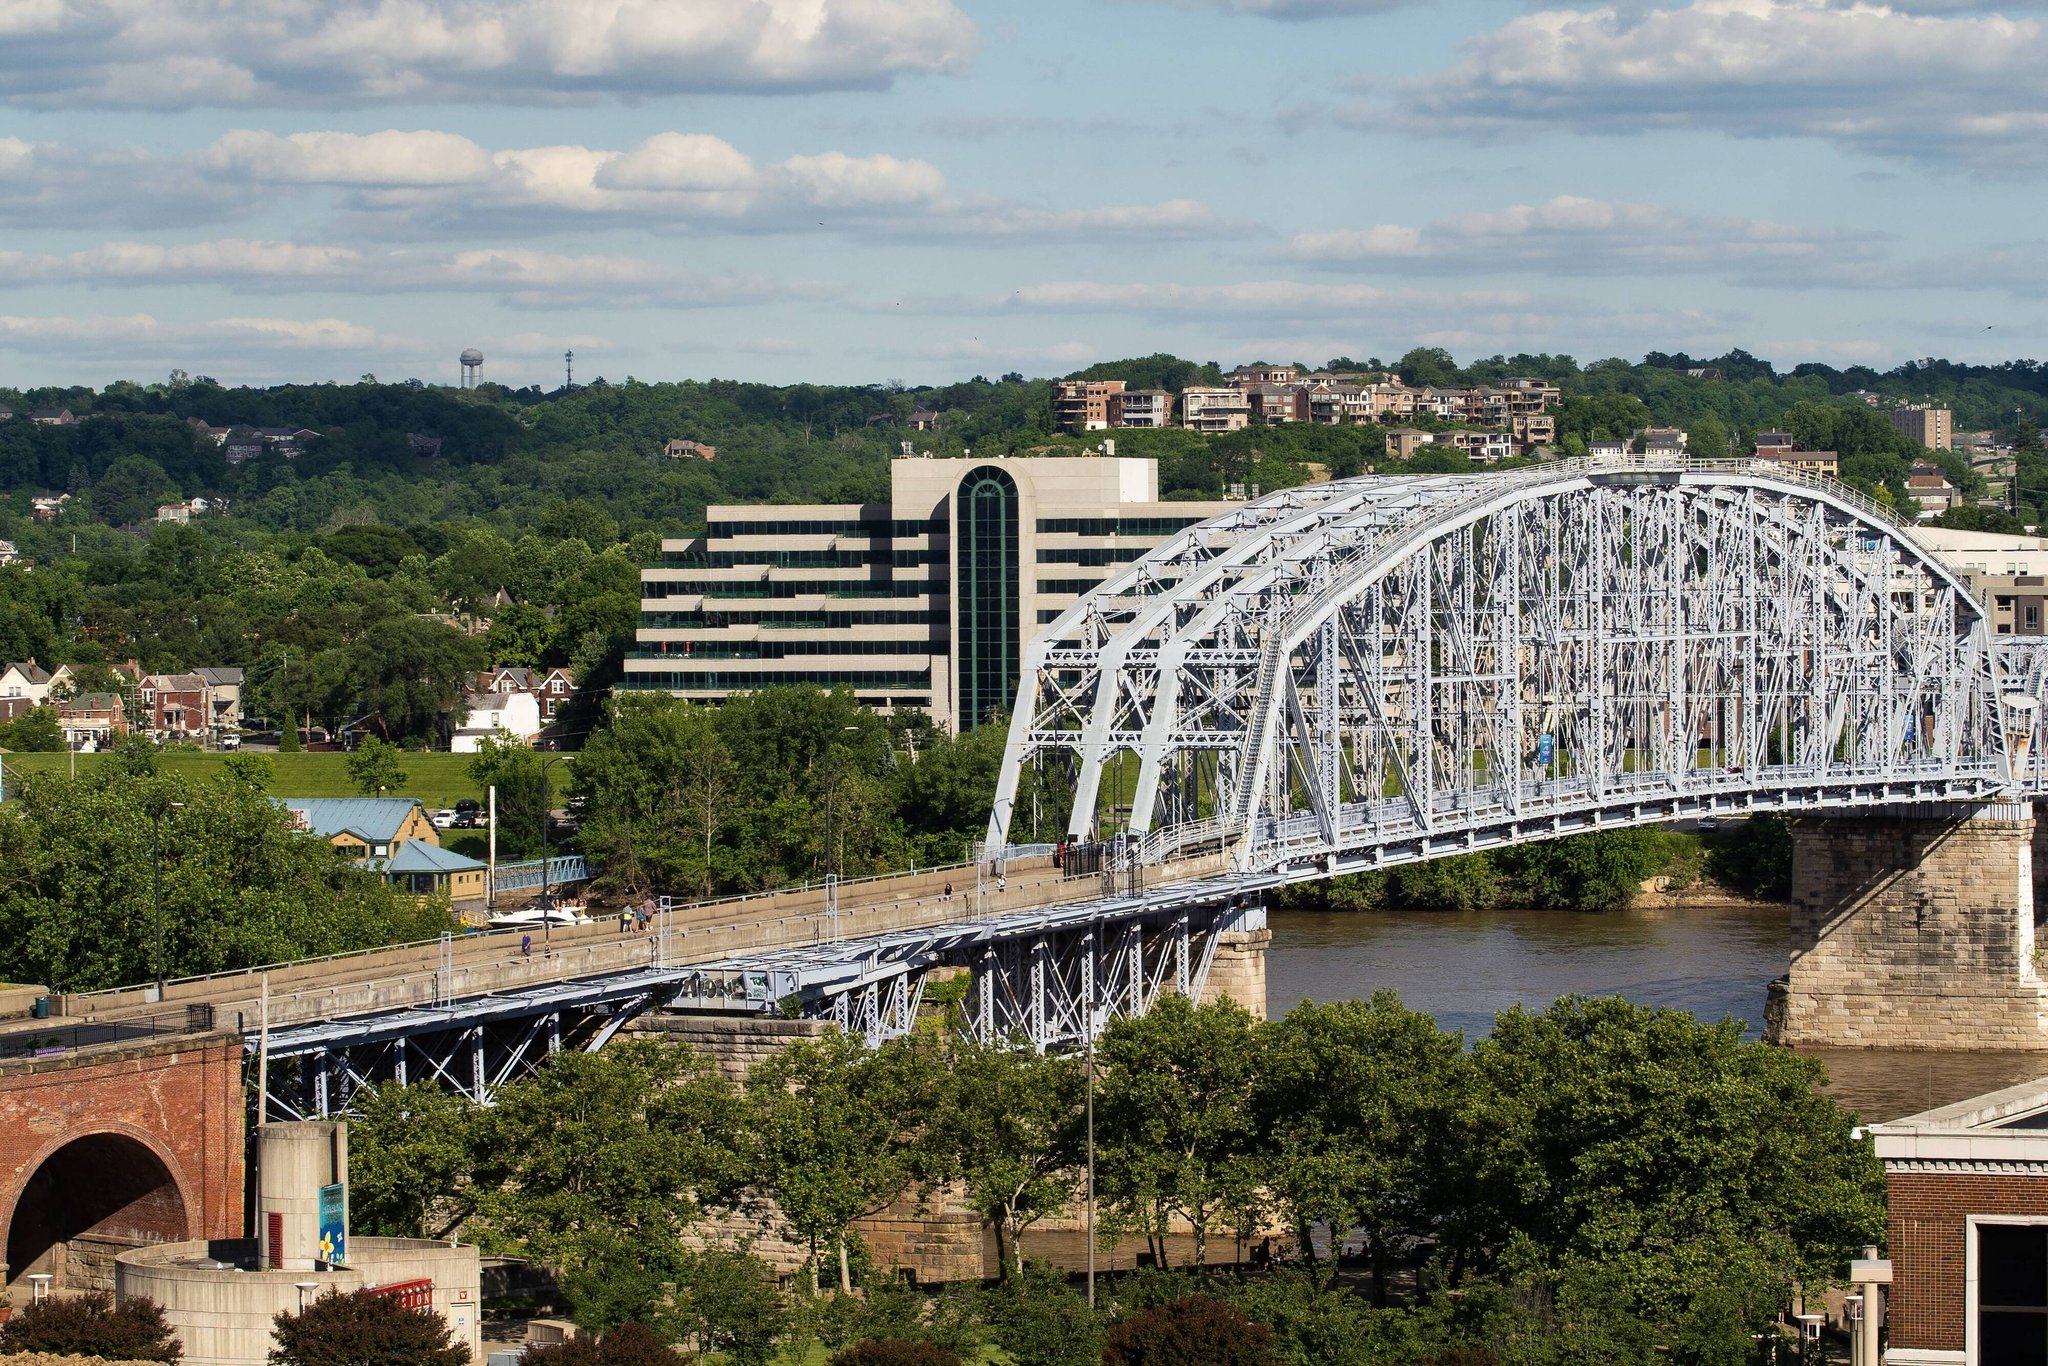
[(562, 870)]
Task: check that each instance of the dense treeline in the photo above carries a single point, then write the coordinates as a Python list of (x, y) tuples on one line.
[(1541, 1197), (537, 509), (84, 866), (779, 786)]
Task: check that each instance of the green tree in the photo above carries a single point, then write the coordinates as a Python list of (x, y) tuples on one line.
[(363, 1328), (409, 1149), (413, 673), (35, 731), (597, 1164), (1599, 871), (92, 1325), (516, 771), (1039, 1320), (1357, 1104), (1173, 1120), (240, 886), (1693, 1177), (1754, 857), (1010, 1126), (374, 768), (629, 1344), (727, 1301), (894, 1352), (839, 1129)]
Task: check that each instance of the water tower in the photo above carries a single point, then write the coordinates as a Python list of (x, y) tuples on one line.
[(472, 367)]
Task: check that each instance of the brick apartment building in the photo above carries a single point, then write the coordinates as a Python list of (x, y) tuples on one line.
[(1933, 428)]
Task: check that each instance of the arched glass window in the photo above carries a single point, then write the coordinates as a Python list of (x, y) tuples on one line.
[(986, 639)]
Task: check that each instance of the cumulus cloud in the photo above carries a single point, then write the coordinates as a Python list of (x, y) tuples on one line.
[(441, 182), (127, 334), (174, 54), (54, 185), (1930, 86), (1569, 235), (1256, 298), (1293, 9), (527, 278)]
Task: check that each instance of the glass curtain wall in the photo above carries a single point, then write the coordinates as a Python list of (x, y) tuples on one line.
[(986, 638)]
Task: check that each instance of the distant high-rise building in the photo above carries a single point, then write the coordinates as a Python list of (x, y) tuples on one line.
[(926, 601), (1931, 427)]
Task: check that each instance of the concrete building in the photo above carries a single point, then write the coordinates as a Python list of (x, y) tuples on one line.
[(926, 601), (1931, 427), (1083, 405), (221, 1296), (2009, 574), (1214, 411), (1141, 408)]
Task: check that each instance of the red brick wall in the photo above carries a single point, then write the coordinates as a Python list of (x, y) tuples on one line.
[(181, 1098), (1929, 1232)]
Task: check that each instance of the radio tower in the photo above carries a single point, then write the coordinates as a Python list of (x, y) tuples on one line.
[(568, 371)]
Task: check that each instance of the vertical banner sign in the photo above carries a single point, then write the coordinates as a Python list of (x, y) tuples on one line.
[(334, 1224), (1544, 749)]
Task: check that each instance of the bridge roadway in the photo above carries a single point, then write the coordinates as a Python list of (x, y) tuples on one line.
[(488, 963)]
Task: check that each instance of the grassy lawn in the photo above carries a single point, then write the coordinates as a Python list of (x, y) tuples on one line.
[(436, 779)]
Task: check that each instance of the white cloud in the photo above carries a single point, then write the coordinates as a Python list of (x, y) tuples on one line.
[(1868, 77), (54, 185), (171, 54), (1568, 235), (520, 276), (129, 333), (1294, 9), (1263, 298), (388, 158)]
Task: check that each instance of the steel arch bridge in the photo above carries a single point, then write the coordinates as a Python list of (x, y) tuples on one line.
[(1386, 669)]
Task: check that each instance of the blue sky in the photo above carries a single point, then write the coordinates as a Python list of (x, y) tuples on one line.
[(921, 190)]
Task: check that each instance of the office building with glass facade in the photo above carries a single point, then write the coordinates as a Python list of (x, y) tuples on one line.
[(925, 602)]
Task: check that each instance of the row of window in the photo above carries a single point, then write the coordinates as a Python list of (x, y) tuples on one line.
[(694, 681), (1099, 556), (775, 588), (786, 621), (1068, 585), (781, 649), (1117, 526), (793, 559), (831, 526)]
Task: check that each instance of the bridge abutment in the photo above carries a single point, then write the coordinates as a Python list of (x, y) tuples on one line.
[(1913, 927)]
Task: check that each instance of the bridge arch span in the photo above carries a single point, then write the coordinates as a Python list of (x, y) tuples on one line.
[(1381, 669)]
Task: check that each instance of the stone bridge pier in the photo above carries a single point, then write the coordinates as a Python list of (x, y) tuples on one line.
[(1913, 927)]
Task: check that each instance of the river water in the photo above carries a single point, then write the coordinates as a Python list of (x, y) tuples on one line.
[(1714, 961)]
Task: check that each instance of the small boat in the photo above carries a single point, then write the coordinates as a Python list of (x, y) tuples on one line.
[(538, 917)]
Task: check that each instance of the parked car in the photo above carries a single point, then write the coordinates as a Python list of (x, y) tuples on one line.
[(444, 819), (469, 814)]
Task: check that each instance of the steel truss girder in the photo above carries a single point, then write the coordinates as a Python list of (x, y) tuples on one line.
[(1379, 661)]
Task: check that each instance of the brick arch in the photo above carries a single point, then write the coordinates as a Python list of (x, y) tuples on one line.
[(111, 1183), (145, 1138)]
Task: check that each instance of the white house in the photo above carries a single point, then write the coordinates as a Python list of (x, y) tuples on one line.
[(508, 716)]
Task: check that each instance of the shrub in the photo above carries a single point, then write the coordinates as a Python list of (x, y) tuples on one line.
[(1196, 1331), (894, 1352), (629, 1344), (363, 1328), (92, 1326)]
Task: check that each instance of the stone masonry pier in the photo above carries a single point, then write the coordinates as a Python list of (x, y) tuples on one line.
[(1913, 927)]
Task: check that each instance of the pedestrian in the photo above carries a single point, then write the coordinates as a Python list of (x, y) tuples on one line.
[(949, 891), (526, 946), (1002, 883), (625, 920)]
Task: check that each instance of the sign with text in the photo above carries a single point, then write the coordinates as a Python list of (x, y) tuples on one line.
[(334, 1224)]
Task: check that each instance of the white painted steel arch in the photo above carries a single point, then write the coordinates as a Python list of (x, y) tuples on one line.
[(1381, 669)]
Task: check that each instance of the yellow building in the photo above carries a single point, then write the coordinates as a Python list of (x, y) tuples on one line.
[(391, 836)]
